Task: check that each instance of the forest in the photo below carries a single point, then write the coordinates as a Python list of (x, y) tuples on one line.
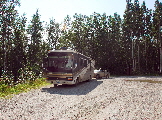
[(128, 45)]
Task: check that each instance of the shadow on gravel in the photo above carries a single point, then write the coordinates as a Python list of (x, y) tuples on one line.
[(104, 78), (81, 89)]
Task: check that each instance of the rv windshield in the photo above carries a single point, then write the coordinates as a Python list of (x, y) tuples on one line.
[(60, 63)]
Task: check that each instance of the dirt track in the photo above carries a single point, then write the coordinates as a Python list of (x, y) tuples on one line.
[(118, 98)]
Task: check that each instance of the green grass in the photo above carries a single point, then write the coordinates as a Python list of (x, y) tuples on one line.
[(8, 91)]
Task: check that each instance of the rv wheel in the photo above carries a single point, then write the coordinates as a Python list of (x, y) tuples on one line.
[(97, 76), (77, 81), (90, 78), (55, 85), (107, 76)]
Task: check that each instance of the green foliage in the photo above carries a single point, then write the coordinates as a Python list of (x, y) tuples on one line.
[(26, 75), (53, 31), (35, 31), (20, 56), (65, 34), (7, 78), (8, 91), (139, 38)]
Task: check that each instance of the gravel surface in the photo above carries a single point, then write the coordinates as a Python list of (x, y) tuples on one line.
[(118, 98)]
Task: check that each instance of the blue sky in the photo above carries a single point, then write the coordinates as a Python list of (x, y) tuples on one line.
[(59, 9)]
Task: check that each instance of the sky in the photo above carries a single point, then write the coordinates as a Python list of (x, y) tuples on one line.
[(59, 9)]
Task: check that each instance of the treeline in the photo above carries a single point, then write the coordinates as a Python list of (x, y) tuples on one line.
[(128, 45)]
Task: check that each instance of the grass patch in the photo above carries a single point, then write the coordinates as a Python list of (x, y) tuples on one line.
[(8, 91)]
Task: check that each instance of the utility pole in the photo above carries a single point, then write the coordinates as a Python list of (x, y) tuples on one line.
[(160, 39), (133, 62)]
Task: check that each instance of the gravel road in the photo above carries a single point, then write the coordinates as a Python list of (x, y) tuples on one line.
[(118, 98)]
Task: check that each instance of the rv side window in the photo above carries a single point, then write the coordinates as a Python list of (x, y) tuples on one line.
[(81, 62), (85, 63)]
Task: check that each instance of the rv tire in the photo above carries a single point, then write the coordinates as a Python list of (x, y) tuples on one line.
[(77, 81), (97, 76), (107, 76), (90, 78)]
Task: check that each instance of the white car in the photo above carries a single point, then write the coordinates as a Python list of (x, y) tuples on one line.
[(101, 73)]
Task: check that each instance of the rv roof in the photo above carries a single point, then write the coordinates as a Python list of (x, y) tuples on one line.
[(70, 51), (62, 51)]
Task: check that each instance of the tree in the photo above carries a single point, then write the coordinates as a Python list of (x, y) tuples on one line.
[(127, 42), (157, 22), (19, 47), (54, 32), (8, 17), (114, 44), (147, 45), (34, 56)]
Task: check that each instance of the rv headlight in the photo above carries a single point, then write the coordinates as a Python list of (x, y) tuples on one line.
[(70, 78)]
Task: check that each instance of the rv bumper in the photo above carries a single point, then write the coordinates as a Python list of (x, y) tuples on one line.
[(61, 82)]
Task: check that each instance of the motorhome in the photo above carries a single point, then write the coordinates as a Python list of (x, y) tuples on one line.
[(67, 67)]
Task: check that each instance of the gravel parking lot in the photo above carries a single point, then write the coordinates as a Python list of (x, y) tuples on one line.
[(117, 98)]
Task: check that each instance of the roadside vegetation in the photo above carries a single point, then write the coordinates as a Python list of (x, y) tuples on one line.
[(7, 91)]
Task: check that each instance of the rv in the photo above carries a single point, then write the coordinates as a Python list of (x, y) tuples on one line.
[(67, 67)]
